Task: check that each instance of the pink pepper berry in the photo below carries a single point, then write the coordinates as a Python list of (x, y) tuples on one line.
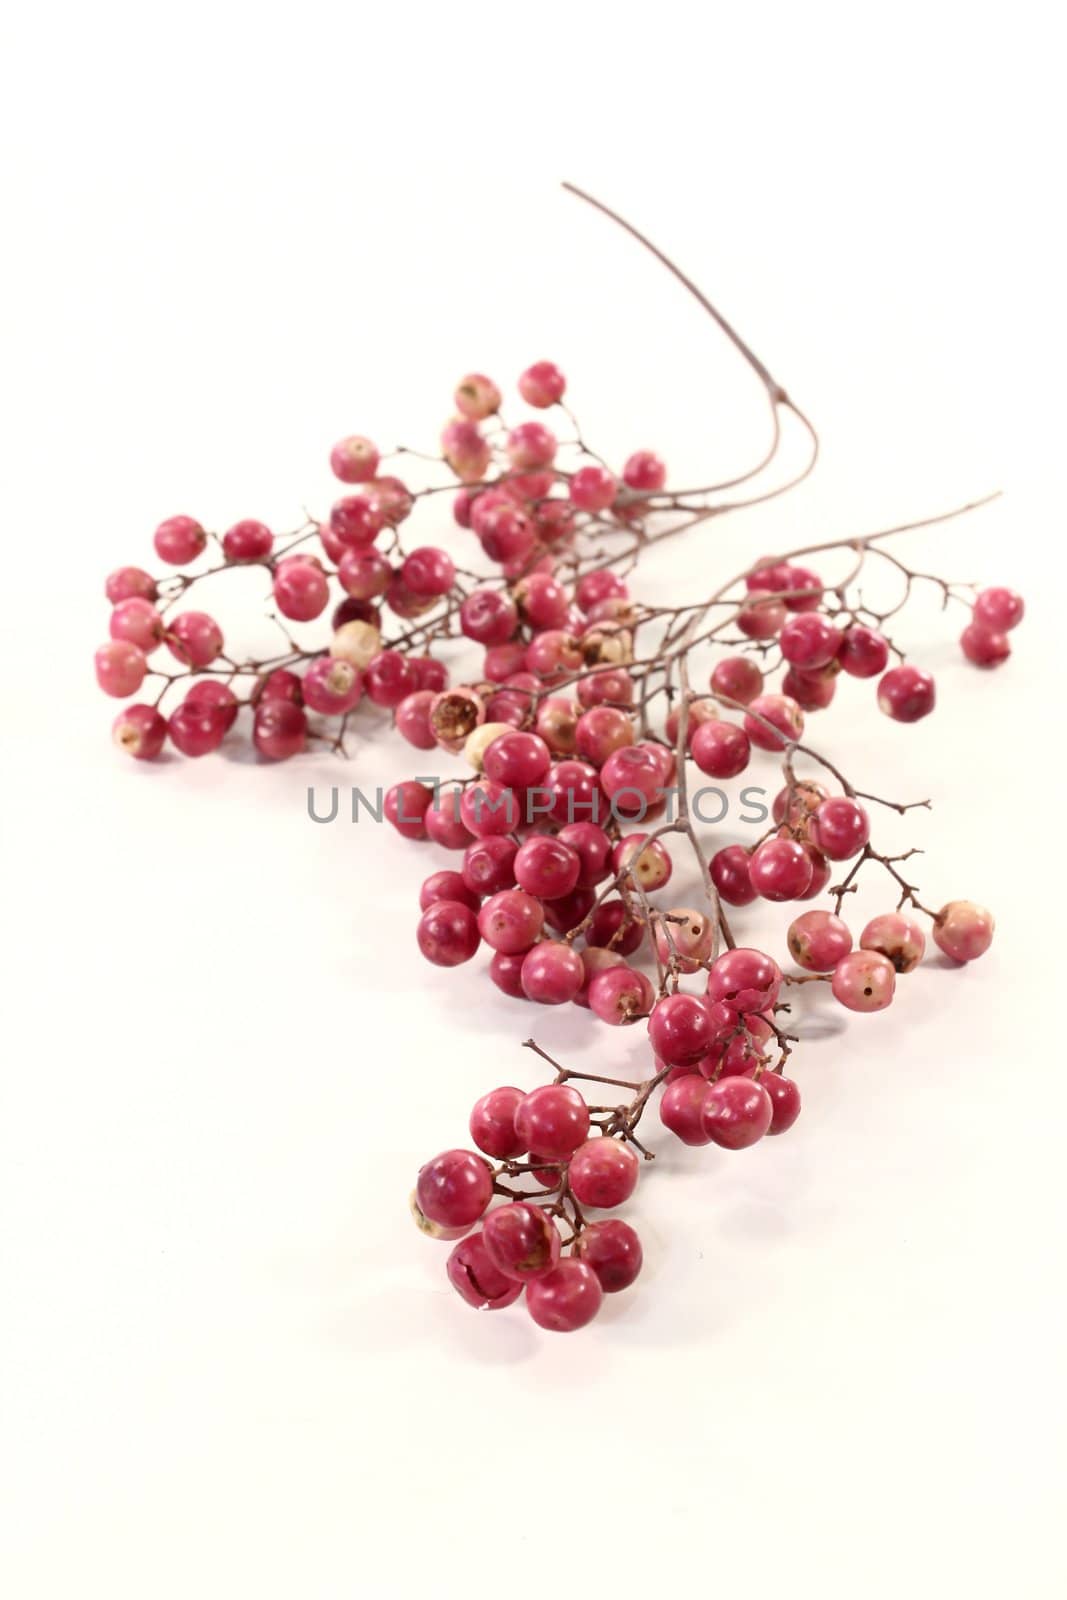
[(614, 1252), (542, 385), (474, 1277), (354, 460), (897, 937), (736, 1112), (140, 731), (247, 541), (817, 940), (279, 729), (565, 1299), (963, 930), (552, 1121), (492, 1123), (448, 933), (194, 638), (179, 540), (863, 981), (120, 668), (454, 1188), (906, 693)]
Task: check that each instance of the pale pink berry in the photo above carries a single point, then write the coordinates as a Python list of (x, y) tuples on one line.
[(138, 622), (593, 488), (897, 937), (465, 449), (354, 460), (120, 668), (140, 731), (684, 936), (784, 716), (648, 864), (477, 396), (531, 445), (332, 687), (817, 941), (129, 583), (542, 385), (963, 930), (864, 981), (364, 574)]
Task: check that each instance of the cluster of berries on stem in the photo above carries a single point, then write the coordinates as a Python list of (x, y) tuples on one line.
[(580, 737)]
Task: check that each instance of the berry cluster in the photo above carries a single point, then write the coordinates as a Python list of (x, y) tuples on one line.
[(577, 742)]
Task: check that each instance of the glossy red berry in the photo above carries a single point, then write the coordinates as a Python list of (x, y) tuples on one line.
[(492, 1124), (644, 471), (448, 933), (565, 1299), (300, 591), (179, 540), (405, 806), (785, 1101), (680, 1029), (720, 749), (447, 886), (511, 921), (730, 875), (429, 571), (618, 995), (542, 384), (840, 828), (906, 693), (552, 973), (983, 647), (780, 869), (454, 1188), (863, 652), (603, 1172), (1000, 610), (522, 1241), (614, 1252), (279, 729), (593, 488), (546, 867), (746, 979), (682, 1109), (737, 1112), (247, 541), (737, 678), (809, 640), (552, 1121)]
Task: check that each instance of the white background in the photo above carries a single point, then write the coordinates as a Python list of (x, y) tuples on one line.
[(227, 1363)]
